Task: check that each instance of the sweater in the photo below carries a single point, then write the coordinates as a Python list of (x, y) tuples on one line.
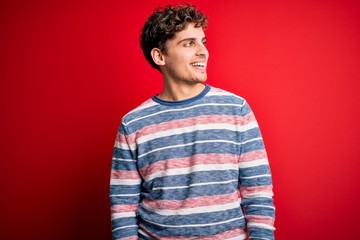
[(191, 169)]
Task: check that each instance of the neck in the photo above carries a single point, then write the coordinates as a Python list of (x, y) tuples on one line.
[(178, 92)]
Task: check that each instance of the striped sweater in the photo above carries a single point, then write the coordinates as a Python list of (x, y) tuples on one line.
[(191, 169)]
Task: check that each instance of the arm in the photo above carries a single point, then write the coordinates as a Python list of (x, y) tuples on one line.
[(125, 185), (255, 179)]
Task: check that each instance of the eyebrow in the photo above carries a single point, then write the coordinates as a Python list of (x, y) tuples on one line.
[(189, 39)]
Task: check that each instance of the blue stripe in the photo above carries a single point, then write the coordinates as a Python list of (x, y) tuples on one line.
[(183, 102), (252, 146), (192, 178), (191, 192), (196, 218), (259, 181), (123, 233), (188, 151), (260, 233), (123, 165), (123, 154), (120, 222), (253, 171), (250, 134), (194, 231), (260, 211), (124, 189), (190, 137)]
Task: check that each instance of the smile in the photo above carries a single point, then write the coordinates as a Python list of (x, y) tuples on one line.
[(198, 64)]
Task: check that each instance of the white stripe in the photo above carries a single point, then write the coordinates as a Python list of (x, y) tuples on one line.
[(194, 210), (122, 215), (259, 194), (264, 206), (124, 195), (197, 127), (196, 142), (241, 237), (129, 182), (144, 233), (195, 185), (257, 176), (130, 226), (254, 163), (125, 146), (194, 168), (124, 160), (260, 225), (195, 225), (183, 109)]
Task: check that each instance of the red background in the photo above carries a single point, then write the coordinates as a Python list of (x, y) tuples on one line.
[(70, 70)]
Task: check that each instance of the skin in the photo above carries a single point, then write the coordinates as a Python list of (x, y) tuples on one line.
[(183, 79)]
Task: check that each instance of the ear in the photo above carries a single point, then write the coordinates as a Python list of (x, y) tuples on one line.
[(157, 56)]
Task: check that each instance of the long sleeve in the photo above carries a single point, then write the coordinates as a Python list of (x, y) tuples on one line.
[(125, 186), (255, 180)]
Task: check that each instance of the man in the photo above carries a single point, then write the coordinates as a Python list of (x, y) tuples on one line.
[(188, 163)]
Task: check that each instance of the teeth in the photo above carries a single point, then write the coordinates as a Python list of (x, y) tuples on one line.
[(200, 64)]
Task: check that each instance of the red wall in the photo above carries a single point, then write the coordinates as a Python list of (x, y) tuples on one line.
[(70, 70)]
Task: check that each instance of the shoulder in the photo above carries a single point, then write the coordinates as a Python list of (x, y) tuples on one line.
[(139, 111), (227, 96)]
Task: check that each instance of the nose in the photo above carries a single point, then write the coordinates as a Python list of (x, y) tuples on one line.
[(202, 50)]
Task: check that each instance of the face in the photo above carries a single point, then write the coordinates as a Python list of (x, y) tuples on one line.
[(185, 57)]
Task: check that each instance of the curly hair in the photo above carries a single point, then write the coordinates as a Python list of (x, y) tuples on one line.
[(163, 24)]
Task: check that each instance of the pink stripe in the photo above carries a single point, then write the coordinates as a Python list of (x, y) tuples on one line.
[(260, 219), (121, 174), (124, 208), (189, 162), (122, 139), (181, 123), (192, 202), (254, 155), (256, 189), (129, 238), (214, 89)]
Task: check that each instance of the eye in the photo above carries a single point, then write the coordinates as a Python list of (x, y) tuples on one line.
[(189, 44), (204, 42)]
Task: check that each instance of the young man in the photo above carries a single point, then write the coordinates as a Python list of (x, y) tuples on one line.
[(188, 163)]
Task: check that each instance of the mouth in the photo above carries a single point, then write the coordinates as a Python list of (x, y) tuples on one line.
[(199, 65)]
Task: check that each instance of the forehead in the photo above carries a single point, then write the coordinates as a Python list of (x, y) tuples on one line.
[(190, 32)]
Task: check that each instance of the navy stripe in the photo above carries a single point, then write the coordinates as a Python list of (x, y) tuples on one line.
[(194, 231), (259, 181), (191, 192), (123, 165), (192, 178), (126, 221), (261, 233), (125, 232), (123, 189), (252, 145), (189, 219), (185, 138), (253, 171), (183, 102), (123, 154), (188, 151)]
